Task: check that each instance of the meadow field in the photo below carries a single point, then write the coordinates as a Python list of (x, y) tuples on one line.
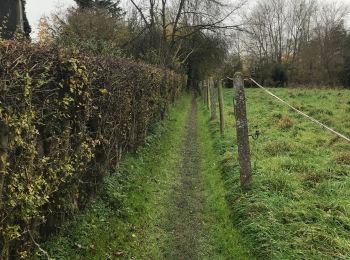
[(299, 205)]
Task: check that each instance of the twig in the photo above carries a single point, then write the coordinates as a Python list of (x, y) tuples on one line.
[(39, 247)]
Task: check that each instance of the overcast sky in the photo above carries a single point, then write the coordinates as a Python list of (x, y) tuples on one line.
[(38, 8)]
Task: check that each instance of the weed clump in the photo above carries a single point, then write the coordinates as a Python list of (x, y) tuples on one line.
[(343, 158), (277, 147), (285, 123), (277, 184)]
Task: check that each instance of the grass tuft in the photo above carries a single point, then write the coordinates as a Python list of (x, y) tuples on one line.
[(343, 158), (277, 147), (285, 123)]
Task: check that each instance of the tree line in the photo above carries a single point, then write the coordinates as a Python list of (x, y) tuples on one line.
[(278, 42), (188, 36), (298, 42)]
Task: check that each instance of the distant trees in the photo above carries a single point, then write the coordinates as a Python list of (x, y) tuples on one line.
[(43, 35), (113, 6), (95, 26), (346, 72), (279, 42), (184, 35), (300, 41)]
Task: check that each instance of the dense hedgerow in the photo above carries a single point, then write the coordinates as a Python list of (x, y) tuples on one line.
[(65, 119)]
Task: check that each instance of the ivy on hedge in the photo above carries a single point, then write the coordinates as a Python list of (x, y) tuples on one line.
[(66, 118)]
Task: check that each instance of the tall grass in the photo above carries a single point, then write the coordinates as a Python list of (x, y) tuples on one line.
[(299, 206), (227, 241)]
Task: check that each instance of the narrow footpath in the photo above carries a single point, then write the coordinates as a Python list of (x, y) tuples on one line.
[(167, 201), (185, 218), (198, 222)]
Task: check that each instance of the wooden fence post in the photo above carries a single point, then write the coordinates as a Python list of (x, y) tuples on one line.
[(221, 107), (242, 132), (202, 91), (208, 93), (212, 99), (205, 93)]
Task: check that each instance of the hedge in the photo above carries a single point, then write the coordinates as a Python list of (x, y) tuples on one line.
[(66, 118)]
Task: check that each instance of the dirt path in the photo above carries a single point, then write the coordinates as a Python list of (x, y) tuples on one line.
[(186, 216), (173, 203), (194, 220)]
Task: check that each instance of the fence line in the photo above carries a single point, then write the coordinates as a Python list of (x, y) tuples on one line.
[(300, 112)]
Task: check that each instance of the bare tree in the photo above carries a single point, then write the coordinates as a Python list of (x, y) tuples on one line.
[(285, 32), (178, 20), (329, 33)]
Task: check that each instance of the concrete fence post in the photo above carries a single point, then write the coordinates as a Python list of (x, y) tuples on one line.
[(208, 93), (221, 107), (212, 99), (205, 92), (242, 132)]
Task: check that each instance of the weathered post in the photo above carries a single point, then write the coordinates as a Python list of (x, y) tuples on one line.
[(201, 87), (221, 107), (242, 132), (212, 99), (205, 92), (208, 93)]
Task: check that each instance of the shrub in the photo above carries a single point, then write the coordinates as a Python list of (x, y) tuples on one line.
[(66, 118), (279, 75)]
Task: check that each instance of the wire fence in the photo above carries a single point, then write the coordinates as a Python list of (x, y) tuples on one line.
[(301, 112), (207, 92)]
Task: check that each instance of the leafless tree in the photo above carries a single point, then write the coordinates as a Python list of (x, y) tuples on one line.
[(180, 19), (285, 32)]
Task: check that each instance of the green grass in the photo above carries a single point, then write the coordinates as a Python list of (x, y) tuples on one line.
[(299, 206), (123, 221), (226, 240), (130, 218)]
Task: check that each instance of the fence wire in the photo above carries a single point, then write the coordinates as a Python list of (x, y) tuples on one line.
[(300, 112)]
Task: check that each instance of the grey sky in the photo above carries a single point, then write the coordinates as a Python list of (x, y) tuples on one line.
[(38, 8)]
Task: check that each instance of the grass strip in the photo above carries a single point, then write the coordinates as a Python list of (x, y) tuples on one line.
[(123, 221)]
